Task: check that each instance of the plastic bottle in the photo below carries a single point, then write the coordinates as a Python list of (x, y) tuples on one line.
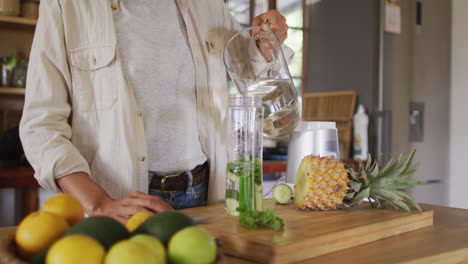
[(361, 123)]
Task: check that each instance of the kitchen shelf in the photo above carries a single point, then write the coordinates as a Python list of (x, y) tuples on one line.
[(18, 20), (11, 90)]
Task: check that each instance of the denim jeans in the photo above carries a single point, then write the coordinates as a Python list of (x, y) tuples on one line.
[(192, 197)]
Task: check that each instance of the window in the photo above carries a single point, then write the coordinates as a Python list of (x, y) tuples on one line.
[(293, 11)]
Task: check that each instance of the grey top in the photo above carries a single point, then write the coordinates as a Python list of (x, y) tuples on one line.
[(153, 44)]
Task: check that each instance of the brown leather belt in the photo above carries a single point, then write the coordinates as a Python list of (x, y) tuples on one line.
[(179, 182)]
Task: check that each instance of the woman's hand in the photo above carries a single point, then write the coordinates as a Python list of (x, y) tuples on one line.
[(134, 203), (96, 201), (276, 22)]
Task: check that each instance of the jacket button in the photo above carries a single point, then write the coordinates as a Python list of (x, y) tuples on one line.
[(139, 113), (114, 6), (142, 158), (93, 61)]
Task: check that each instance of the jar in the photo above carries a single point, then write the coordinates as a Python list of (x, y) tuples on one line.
[(245, 146), (9, 7), (6, 71), (19, 74)]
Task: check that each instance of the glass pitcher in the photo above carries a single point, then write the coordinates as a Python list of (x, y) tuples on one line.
[(245, 142), (256, 64)]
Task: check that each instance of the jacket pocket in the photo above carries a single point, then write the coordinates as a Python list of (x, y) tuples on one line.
[(93, 78)]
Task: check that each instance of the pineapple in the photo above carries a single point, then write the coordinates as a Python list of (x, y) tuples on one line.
[(324, 183)]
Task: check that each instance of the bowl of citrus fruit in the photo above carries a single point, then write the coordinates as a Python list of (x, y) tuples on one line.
[(59, 233)]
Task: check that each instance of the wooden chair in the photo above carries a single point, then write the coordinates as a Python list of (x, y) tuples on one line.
[(333, 106)]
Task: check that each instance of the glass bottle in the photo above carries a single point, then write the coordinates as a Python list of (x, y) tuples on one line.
[(245, 141)]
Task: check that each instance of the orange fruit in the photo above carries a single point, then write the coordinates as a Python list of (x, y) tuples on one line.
[(76, 249), (66, 206), (136, 220), (37, 231)]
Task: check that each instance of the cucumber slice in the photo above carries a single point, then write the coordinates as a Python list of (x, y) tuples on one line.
[(282, 193), (233, 177), (231, 206)]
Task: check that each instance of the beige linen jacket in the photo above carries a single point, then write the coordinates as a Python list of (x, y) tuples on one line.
[(80, 113)]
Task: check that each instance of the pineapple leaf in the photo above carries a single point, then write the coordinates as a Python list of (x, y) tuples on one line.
[(391, 173), (361, 165), (363, 179), (386, 194), (387, 166), (402, 185), (410, 200), (388, 201), (384, 201), (407, 173), (383, 182), (356, 186), (396, 204), (361, 195), (376, 203), (369, 162), (406, 163), (400, 158), (375, 171), (354, 175), (350, 195), (402, 205)]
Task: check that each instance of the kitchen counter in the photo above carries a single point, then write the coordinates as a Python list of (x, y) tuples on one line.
[(446, 242)]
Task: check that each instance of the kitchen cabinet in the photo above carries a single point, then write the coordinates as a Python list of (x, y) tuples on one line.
[(16, 34)]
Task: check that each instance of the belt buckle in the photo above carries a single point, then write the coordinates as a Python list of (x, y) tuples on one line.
[(163, 183)]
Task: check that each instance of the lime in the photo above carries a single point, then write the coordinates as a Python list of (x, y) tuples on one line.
[(192, 245), (105, 230), (154, 244), (231, 206), (164, 225), (282, 193)]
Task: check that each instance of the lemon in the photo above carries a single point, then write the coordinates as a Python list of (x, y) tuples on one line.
[(76, 249), (136, 220), (65, 205), (154, 244), (125, 252), (192, 245), (37, 231)]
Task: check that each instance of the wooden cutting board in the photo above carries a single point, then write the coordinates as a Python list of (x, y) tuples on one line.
[(307, 234)]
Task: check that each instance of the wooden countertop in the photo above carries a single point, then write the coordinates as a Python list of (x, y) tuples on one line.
[(446, 242)]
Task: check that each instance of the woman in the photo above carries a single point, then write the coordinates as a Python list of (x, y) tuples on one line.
[(128, 97)]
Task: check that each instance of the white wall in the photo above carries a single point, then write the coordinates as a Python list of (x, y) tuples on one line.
[(459, 106)]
